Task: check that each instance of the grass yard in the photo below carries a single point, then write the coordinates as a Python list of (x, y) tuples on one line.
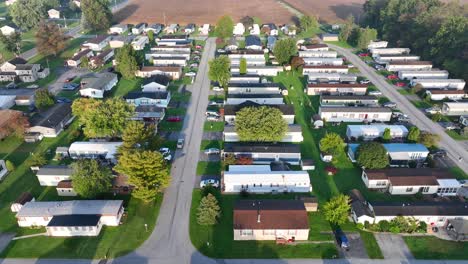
[(209, 168), (340, 44), (211, 126), (428, 247), (181, 97), (456, 135), (371, 245), (170, 126), (320, 228), (205, 144), (421, 104), (124, 86)]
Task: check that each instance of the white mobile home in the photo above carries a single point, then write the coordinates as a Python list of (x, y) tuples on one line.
[(174, 72), (342, 69), (246, 78), (170, 61), (168, 54), (455, 108), (250, 62), (434, 74), (317, 54), (439, 95), (95, 86), (254, 88), (392, 51), (373, 131), (178, 48), (260, 70), (458, 84), (94, 150), (267, 99), (294, 134), (118, 29), (140, 42), (377, 45), (400, 154), (336, 89), (52, 175), (355, 114), (408, 65), (315, 47), (265, 153), (323, 61), (383, 59), (348, 100)]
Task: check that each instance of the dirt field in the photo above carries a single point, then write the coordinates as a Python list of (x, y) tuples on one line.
[(202, 11)]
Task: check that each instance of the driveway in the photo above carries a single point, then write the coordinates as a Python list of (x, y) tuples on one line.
[(393, 246), (455, 149), (65, 73), (356, 245), (212, 157)]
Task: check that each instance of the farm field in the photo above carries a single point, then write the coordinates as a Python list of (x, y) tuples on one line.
[(206, 11)]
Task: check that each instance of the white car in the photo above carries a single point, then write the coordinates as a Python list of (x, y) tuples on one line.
[(212, 151), (218, 89), (166, 152), (364, 82), (212, 118), (376, 93), (432, 110), (350, 66), (212, 182)]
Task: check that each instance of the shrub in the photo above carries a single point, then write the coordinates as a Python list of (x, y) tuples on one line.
[(422, 227), (366, 225), (384, 226), (394, 229), (9, 165), (359, 226)]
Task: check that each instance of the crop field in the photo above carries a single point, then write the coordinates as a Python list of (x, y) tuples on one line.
[(329, 11)]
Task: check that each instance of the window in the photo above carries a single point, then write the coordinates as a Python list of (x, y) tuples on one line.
[(269, 232), (246, 232), (409, 189), (376, 116), (69, 228), (381, 183), (291, 232), (77, 228), (425, 189)]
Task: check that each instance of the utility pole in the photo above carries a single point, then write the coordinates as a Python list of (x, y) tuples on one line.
[(164, 15)]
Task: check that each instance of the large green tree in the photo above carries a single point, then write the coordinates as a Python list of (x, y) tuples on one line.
[(126, 61), (136, 134), (364, 36), (50, 39), (82, 107), (90, 179), (347, 28), (284, 50), (208, 211), (27, 14), (224, 27), (146, 170), (43, 99), (387, 135), (337, 209), (307, 22), (11, 43), (219, 70), (264, 124), (429, 139), (372, 155), (413, 134), (331, 143), (97, 14)]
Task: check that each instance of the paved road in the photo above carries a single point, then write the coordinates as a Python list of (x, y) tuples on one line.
[(417, 117)]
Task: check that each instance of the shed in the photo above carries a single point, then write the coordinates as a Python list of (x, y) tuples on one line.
[(20, 201), (65, 188), (62, 152), (310, 203), (307, 164)]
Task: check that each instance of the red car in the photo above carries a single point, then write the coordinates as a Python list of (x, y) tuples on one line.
[(174, 119), (400, 84), (363, 54), (392, 77), (199, 47)]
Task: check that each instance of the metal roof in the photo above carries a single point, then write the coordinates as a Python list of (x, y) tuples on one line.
[(75, 207)]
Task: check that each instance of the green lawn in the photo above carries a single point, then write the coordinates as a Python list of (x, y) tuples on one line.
[(179, 97), (428, 247), (456, 135), (404, 91), (319, 227), (371, 245), (421, 104), (213, 126), (170, 126), (340, 44), (208, 168), (176, 111), (219, 144), (124, 86)]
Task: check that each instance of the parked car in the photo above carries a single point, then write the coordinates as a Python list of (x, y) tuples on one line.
[(392, 77), (400, 84), (364, 81), (218, 89), (63, 100), (378, 67), (166, 152), (212, 151), (390, 105), (180, 143), (216, 103), (33, 86), (174, 119), (212, 113), (70, 86), (199, 47), (433, 110), (363, 54), (221, 51), (403, 118), (70, 79), (341, 239), (212, 118), (191, 74), (350, 66), (212, 182), (375, 93), (439, 153)]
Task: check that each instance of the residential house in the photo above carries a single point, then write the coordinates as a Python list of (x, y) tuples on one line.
[(120, 40), (264, 153), (289, 30), (71, 218), (28, 72), (7, 101), (10, 66), (400, 154), (322, 61), (455, 108), (232, 45), (174, 72), (170, 61), (270, 220), (156, 28), (239, 29), (405, 181), (457, 84), (457, 229), (138, 28), (230, 111), (244, 78), (253, 58), (264, 179), (65, 188), (438, 95), (171, 29), (97, 84), (266, 99), (159, 99), (294, 134), (139, 42), (204, 30), (19, 69), (94, 150), (408, 65), (150, 114), (342, 69), (271, 40), (189, 29), (75, 61), (98, 43), (118, 29), (51, 122), (389, 51), (53, 13), (336, 89), (318, 53), (20, 201), (51, 175), (156, 83), (260, 70), (254, 88), (433, 74), (102, 58), (348, 100), (270, 29), (7, 123), (384, 58), (255, 30), (7, 30), (377, 44), (355, 114), (315, 47), (374, 131), (253, 43), (329, 37)]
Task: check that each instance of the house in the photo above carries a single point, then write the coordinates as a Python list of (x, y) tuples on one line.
[(406, 181), (271, 40), (150, 114), (385, 58), (118, 29), (323, 61), (266, 99), (255, 30), (138, 28), (3, 169), (10, 66), (373, 131), (355, 114), (329, 37), (438, 95), (52, 121), (232, 45), (336, 89), (139, 42), (71, 218), (65, 188), (270, 29), (253, 43), (457, 84), (230, 111), (155, 83), (172, 49), (119, 41), (322, 77), (264, 179), (408, 65), (205, 29), (7, 30), (315, 47), (455, 108), (156, 28), (170, 61), (245, 78), (391, 51), (7, 101), (171, 29), (377, 44), (20, 201), (53, 13), (254, 88), (28, 72), (24, 99), (260, 70), (98, 43), (457, 229), (294, 134), (400, 154), (75, 61), (97, 84), (174, 72), (289, 30), (318, 53), (433, 74), (19, 69), (270, 220), (102, 58), (189, 29), (51, 175), (239, 29), (94, 150), (264, 153), (342, 69), (348, 100), (159, 99)]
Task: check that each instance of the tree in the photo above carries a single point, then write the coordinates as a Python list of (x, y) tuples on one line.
[(10, 166), (243, 66), (82, 107), (387, 135), (12, 43), (347, 28), (50, 39), (372, 155), (208, 211), (336, 210), (44, 99), (97, 14), (247, 21), (413, 134), (331, 143), (297, 62), (126, 61), (224, 27), (417, 88), (284, 49), (15, 124), (37, 159), (365, 36), (146, 170), (27, 14), (136, 134), (429, 139), (90, 179), (262, 124), (436, 117), (308, 22), (220, 70), (150, 36)]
